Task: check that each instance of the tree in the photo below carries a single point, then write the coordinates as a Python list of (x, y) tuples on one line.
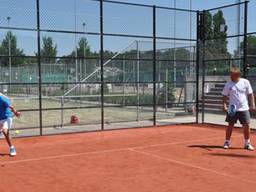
[(208, 26), (220, 36), (251, 52), (83, 49), (11, 40), (216, 41), (85, 66), (48, 51)]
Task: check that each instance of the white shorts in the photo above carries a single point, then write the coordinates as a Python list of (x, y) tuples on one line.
[(5, 124)]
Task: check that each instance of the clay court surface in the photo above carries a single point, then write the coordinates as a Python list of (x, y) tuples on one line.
[(182, 158)]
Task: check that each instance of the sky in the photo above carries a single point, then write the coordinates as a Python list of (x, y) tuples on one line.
[(60, 15)]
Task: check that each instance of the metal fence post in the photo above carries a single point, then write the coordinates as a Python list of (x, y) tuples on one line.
[(203, 63), (101, 64), (39, 66), (154, 65), (197, 65), (245, 64)]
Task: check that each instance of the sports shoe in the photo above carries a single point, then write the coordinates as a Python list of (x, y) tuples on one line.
[(249, 147), (226, 145), (13, 151)]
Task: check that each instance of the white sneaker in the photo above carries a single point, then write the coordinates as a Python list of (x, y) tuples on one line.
[(249, 147), (13, 151), (226, 145)]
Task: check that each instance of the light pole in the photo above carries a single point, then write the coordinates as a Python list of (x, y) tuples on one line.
[(84, 25), (9, 51)]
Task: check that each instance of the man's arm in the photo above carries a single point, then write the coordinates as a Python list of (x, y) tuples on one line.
[(225, 93), (16, 113), (251, 102), (250, 97), (225, 103)]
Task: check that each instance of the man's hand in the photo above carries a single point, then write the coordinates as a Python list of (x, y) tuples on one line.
[(225, 104), (252, 103), (225, 109), (253, 109), (17, 114)]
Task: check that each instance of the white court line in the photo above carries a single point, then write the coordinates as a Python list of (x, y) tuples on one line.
[(177, 143), (100, 152), (62, 156), (191, 166)]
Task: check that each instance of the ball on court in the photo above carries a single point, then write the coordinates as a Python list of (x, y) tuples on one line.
[(17, 132)]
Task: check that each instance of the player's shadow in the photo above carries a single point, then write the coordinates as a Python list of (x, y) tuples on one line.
[(235, 155), (211, 147), (4, 154)]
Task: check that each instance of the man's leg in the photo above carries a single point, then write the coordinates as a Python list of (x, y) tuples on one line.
[(247, 131), (228, 135), (245, 121), (229, 131), (7, 135), (6, 131)]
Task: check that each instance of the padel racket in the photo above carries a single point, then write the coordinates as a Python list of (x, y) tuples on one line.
[(232, 110)]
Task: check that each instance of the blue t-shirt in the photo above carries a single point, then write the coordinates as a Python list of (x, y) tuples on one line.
[(5, 111)]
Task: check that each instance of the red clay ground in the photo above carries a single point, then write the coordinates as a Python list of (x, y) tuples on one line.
[(184, 158)]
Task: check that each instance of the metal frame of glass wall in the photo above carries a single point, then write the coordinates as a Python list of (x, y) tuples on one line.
[(235, 38), (156, 41)]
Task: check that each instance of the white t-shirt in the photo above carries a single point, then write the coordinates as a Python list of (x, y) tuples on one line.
[(238, 92)]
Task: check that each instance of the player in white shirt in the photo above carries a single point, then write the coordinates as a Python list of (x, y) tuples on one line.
[(238, 101)]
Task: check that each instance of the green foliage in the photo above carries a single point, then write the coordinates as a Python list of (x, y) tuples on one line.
[(83, 49), (171, 54), (221, 37), (144, 99), (216, 43), (216, 40), (208, 25), (251, 51), (11, 40), (166, 91), (81, 52), (48, 50)]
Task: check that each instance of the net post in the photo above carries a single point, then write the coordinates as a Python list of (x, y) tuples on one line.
[(39, 65), (154, 65)]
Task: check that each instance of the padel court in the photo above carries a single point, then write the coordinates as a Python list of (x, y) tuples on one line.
[(103, 69), (181, 158), (119, 102)]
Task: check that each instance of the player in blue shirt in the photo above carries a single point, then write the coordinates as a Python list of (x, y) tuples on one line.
[(6, 115)]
